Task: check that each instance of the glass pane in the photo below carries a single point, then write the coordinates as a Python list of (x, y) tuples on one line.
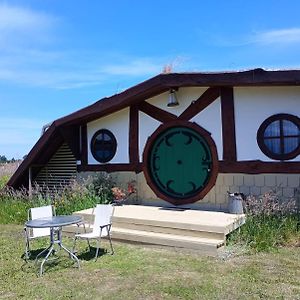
[(290, 144), (106, 137), (273, 145), (290, 128), (273, 129)]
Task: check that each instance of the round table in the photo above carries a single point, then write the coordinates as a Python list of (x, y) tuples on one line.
[(55, 224)]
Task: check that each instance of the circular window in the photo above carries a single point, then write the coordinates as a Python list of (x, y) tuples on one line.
[(103, 145), (180, 162), (278, 137)]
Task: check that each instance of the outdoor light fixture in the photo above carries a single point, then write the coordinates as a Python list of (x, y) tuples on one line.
[(172, 98)]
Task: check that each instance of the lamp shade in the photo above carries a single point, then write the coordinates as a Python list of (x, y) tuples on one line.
[(172, 101)]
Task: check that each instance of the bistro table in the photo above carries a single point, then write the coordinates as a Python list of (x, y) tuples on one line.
[(55, 224)]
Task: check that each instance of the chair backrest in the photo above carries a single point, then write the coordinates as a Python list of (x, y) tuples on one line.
[(40, 212), (103, 216)]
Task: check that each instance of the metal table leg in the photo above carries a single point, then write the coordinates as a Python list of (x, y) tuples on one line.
[(51, 249)]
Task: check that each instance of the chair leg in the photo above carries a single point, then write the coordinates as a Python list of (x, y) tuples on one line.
[(27, 246), (111, 246), (74, 244), (98, 246)]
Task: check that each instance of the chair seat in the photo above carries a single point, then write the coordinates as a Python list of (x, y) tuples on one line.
[(93, 234)]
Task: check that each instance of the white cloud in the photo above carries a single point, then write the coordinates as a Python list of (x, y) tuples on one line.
[(279, 37), (13, 18), (26, 59), (21, 26)]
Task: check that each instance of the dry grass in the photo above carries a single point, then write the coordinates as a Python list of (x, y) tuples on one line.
[(6, 171), (9, 168)]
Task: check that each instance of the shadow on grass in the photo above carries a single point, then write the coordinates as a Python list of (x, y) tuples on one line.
[(89, 253)]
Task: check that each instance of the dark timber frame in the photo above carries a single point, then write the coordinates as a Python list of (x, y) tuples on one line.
[(220, 84)]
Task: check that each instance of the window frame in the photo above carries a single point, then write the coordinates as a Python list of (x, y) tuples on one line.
[(114, 145), (261, 137)]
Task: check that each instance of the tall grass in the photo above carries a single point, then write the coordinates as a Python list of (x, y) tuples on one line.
[(14, 204), (271, 222)]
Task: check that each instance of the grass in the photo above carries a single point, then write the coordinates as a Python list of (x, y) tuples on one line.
[(136, 272)]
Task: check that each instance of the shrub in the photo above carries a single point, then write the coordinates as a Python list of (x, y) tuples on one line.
[(270, 222)]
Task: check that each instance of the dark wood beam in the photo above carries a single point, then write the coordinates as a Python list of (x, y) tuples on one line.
[(259, 167), (84, 145), (156, 113), (209, 96), (134, 135), (137, 168), (228, 124)]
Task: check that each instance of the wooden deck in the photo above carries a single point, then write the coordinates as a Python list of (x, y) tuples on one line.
[(204, 231)]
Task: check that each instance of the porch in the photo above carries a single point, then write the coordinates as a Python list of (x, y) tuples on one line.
[(204, 231)]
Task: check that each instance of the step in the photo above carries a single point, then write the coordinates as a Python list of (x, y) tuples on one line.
[(206, 245), (168, 230)]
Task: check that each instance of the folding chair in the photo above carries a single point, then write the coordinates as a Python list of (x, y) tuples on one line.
[(101, 227), (33, 233)]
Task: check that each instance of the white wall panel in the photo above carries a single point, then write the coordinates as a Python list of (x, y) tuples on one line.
[(255, 104), (147, 126), (118, 124)]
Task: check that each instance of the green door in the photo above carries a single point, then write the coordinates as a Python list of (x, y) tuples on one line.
[(180, 162)]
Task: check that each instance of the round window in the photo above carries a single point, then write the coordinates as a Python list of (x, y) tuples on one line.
[(103, 145), (279, 137)]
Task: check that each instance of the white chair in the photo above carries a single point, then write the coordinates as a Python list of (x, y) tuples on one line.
[(101, 227), (33, 233)]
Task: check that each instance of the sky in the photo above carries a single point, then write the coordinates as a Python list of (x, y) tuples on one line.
[(59, 56)]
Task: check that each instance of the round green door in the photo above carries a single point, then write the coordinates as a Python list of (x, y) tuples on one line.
[(180, 163)]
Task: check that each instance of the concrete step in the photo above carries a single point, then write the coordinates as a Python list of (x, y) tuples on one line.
[(207, 246)]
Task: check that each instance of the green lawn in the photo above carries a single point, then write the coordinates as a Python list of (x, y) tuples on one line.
[(137, 272)]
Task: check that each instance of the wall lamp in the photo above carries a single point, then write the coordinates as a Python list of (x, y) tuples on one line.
[(172, 101)]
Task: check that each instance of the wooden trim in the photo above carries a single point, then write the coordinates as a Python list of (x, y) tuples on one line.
[(137, 168), (156, 113), (259, 167), (228, 124), (209, 96), (133, 135), (84, 145), (212, 180)]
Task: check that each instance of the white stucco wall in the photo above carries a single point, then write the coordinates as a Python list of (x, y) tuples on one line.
[(210, 119), (147, 126), (118, 124), (253, 105)]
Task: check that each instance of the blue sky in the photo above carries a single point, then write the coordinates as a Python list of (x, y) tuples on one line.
[(59, 56)]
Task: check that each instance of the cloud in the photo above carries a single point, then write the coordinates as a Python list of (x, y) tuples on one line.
[(21, 26), (30, 56), (279, 37), (13, 18)]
